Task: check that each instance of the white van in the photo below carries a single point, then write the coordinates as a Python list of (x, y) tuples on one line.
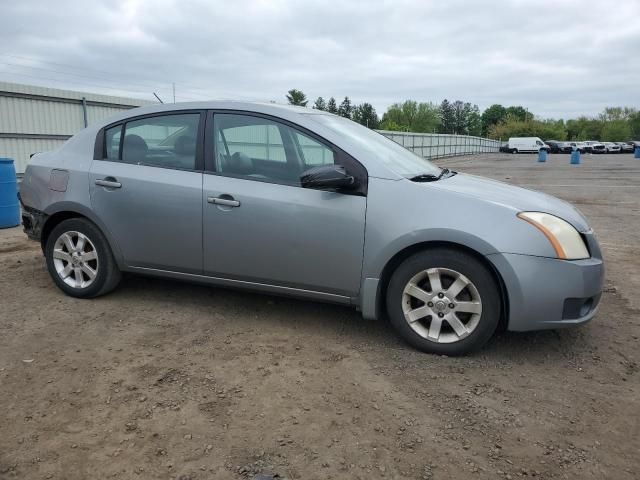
[(527, 144)]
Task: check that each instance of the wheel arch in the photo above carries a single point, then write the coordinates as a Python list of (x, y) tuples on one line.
[(406, 252), (67, 210)]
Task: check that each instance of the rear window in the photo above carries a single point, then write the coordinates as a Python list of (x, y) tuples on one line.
[(168, 141)]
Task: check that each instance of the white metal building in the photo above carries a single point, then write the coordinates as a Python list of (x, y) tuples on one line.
[(37, 119)]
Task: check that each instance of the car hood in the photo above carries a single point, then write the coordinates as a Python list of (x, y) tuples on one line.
[(516, 198)]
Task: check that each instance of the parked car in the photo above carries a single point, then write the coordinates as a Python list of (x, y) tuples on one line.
[(527, 144), (559, 147), (612, 147), (553, 145), (625, 147), (295, 201), (582, 147), (596, 147), (504, 147)]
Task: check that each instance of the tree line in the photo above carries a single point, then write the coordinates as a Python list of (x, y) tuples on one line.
[(364, 113), (497, 121), (613, 124)]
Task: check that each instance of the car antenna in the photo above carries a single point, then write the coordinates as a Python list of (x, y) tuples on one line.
[(159, 99)]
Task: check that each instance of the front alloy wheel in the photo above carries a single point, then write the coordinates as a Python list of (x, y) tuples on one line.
[(441, 305), (444, 301)]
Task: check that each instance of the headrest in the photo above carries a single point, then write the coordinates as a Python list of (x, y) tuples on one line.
[(185, 145)]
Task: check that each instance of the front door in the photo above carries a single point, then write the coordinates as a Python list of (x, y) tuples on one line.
[(261, 226), (148, 191)]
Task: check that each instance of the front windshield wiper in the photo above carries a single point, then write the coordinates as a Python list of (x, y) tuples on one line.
[(428, 177)]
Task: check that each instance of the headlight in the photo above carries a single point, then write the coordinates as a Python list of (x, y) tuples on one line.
[(565, 239)]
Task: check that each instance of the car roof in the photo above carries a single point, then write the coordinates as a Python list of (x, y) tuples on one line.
[(258, 107)]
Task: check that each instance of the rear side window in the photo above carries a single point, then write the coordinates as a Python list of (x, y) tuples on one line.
[(165, 141), (112, 142)]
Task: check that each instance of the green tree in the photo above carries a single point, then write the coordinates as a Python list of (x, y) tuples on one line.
[(345, 109), (411, 116), (447, 117), (584, 128), (513, 127), (617, 113), (427, 119), (365, 115), (296, 97), (459, 119), (616, 131), (331, 106), (492, 116), (634, 125), (474, 121), (391, 125), (550, 129), (519, 113), (320, 104)]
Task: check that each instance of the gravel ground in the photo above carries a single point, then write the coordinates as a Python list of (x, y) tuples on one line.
[(169, 380)]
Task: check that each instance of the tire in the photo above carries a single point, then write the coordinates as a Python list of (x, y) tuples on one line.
[(69, 262), (514, 150), (448, 264)]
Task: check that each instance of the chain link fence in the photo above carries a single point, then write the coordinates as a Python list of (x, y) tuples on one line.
[(436, 145)]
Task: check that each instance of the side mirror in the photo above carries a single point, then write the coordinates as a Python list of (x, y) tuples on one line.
[(327, 177)]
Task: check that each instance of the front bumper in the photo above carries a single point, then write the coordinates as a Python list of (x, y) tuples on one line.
[(548, 293)]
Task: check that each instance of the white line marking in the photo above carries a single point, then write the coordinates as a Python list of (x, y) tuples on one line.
[(584, 185)]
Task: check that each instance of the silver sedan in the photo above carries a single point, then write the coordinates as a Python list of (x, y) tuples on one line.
[(292, 201)]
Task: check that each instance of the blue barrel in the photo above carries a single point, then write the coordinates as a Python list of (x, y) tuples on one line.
[(636, 153), (575, 157), (9, 206), (542, 155)]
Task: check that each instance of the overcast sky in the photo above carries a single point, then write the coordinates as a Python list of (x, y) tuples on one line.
[(557, 58)]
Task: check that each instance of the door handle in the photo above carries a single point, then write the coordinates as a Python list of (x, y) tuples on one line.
[(226, 200), (108, 182)]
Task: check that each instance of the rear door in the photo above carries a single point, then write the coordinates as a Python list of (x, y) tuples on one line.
[(261, 226), (147, 189)]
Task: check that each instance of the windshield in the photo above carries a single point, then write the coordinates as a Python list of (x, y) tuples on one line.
[(402, 161)]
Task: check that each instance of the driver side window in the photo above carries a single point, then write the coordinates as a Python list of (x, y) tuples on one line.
[(258, 148)]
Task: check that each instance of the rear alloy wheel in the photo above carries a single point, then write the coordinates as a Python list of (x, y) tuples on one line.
[(444, 301), (75, 259), (79, 259)]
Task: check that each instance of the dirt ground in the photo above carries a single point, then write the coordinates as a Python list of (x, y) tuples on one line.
[(170, 380)]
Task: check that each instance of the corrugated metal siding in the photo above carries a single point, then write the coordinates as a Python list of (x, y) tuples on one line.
[(20, 148), (96, 114), (48, 111), (71, 94), (21, 115)]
